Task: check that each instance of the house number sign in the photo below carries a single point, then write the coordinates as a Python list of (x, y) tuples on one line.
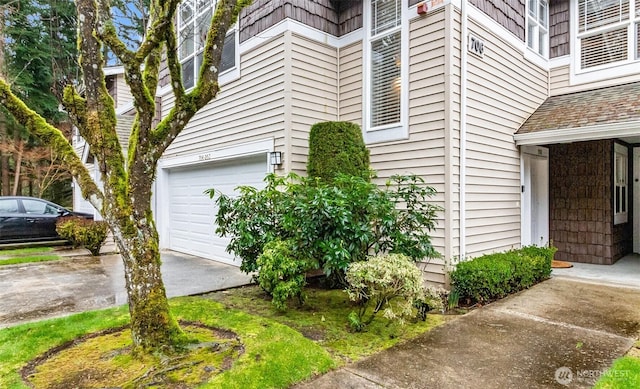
[(476, 46), (204, 157)]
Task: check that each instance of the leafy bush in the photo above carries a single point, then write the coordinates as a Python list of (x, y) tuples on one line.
[(493, 276), (334, 224), (252, 219), (82, 232), (337, 148), (390, 283), (282, 273)]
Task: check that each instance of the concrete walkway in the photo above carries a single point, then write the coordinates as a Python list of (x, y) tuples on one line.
[(560, 333), (625, 272), (36, 291)]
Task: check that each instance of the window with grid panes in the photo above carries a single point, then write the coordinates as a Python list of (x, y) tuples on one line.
[(538, 26), (194, 18)]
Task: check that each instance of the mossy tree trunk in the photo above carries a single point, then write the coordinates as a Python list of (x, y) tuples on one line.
[(125, 201)]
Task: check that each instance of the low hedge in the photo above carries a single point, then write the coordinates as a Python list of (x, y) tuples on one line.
[(494, 276)]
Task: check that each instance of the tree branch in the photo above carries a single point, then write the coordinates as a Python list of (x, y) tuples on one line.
[(107, 33), (99, 112), (53, 137), (207, 86), (76, 107), (175, 70)]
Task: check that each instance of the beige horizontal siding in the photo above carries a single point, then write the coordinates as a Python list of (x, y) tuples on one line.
[(559, 80), (423, 153), (314, 93), (561, 83), (350, 83), (504, 89), (246, 109), (123, 93)]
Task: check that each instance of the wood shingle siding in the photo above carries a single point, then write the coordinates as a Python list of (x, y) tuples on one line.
[(508, 13), (350, 17), (262, 14), (559, 36)]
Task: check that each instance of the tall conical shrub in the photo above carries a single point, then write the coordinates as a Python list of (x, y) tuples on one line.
[(337, 147)]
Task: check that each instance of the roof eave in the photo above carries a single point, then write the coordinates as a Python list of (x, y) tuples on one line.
[(578, 134)]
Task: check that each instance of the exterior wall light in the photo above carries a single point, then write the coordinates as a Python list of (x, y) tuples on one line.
[(276, 158)]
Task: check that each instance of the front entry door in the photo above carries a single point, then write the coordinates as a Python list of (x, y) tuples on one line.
[(535, 196)]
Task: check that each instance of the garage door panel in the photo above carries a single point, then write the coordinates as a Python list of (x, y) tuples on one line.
[(192, 212)]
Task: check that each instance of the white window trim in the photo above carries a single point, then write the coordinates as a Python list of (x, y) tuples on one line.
[(399, 131), (234, 72), (536, 40), (226, 76), (620, 69), (621, 217)]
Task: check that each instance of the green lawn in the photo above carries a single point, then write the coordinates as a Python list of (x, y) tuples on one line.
[(280, 348), (275, 355), (323, 317), (25, 251), (27, 255), (624, 373)]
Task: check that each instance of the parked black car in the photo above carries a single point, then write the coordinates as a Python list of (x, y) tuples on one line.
[(25, 219)]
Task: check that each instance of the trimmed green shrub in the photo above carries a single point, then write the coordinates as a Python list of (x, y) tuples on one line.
[(543, 256), (282, 273), (337, 148), (494, 276), (390, 283), (82, 232)]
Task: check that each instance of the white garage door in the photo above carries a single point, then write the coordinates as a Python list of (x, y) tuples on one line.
[(192, 212)]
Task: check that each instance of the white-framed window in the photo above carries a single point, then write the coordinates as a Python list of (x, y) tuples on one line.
[(607, 32), (194, 18), (620, 183), (385, 68), (538, 26)]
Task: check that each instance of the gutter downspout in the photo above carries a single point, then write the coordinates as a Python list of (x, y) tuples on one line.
[(463, 127)]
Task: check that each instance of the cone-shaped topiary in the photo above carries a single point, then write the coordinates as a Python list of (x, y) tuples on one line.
[(337, 147)]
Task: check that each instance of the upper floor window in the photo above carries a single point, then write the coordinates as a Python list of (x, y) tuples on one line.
[(538, 26), (194, 19), (384, 69), (607, 32)]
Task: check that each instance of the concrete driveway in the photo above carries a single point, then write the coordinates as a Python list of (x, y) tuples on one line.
[(560, 333), (80, 283)]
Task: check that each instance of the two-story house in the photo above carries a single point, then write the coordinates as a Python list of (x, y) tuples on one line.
[(524, 115)]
